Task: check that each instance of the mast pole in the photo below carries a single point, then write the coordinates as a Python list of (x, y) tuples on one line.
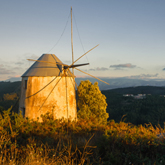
[(72, 41)]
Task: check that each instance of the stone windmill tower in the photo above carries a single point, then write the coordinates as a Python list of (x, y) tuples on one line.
[(49, 86), (44, 87)]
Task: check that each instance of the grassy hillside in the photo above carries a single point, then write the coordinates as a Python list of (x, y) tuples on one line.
[(9, 87), (83, 142), (14, 87), (9, 94), (148, 110), (23, 141)]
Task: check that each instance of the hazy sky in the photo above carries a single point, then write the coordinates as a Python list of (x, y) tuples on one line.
[(131, 34)]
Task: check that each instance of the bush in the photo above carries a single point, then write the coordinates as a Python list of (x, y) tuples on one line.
[(91, 102), (11, 96)]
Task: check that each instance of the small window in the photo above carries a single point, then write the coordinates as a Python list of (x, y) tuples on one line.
[(23, 112), (25, 84)]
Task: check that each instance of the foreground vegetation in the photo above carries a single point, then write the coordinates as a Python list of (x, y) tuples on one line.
[(23, 141), (91, 139)]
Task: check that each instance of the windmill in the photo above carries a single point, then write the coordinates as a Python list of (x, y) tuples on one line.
[(49, 86)]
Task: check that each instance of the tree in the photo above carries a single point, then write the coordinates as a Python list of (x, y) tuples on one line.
[(91, 102), (11, 96)]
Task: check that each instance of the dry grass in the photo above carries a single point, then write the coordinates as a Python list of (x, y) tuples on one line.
[(32, 154), (60, 142)]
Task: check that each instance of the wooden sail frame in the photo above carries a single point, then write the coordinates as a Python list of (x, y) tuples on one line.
[(66, 68)]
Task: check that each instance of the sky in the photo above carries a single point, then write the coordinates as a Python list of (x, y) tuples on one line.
[(130, 34)]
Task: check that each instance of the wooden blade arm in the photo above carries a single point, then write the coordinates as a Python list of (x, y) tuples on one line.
[(92, 76), (73, 66), (84, 54)]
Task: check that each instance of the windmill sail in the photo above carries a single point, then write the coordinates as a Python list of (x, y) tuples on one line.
[(49, 86)]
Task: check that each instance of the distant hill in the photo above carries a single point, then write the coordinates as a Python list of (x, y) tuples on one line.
[(151, 109), (13, 79), (123, 82), (9, 87), (125, 85), (140, 90)]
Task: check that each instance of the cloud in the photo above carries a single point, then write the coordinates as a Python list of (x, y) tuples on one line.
[(98, 69), (19, 63), (4, 71), (163, 69), (16, 68), (17, 76), (143, 76), (31, 56), (92, 69), (122, 66), (67, 62)]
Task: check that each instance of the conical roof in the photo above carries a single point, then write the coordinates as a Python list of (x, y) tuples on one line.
[(48, 68)]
